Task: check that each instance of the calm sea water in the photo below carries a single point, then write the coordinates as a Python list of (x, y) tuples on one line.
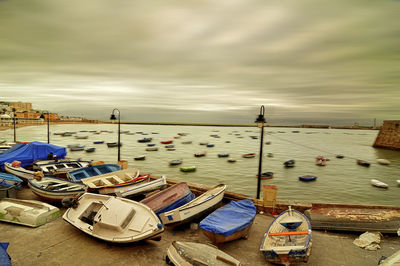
[(340, 181)]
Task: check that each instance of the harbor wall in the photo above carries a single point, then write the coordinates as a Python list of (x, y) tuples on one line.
[(389, 135)]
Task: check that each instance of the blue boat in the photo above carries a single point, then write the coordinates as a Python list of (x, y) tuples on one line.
[(223, 155), (169, 146), (210, 145), (230, 222), (307, 178), (8, 185), (94, 170), (77, 148), (98, 142), (289, 163), (151, 144), (90, 149), (145, 140)]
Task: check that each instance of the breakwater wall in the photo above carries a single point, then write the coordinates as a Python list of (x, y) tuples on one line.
[(389, 135)]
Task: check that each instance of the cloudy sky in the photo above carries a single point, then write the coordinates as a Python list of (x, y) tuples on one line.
[(309, 61)]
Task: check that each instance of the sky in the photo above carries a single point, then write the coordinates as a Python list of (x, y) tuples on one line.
[(208, 61)]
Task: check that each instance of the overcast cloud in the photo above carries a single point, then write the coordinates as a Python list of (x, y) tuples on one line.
[(309, 61)]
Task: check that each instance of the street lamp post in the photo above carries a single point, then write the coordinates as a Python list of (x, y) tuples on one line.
[(260, 123), (15, 134), (119, 130), (48, 124)]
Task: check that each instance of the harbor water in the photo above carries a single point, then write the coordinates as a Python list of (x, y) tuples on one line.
[(340, 181)]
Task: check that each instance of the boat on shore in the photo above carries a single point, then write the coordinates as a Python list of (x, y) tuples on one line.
[(196, 208), (9, 184), (118, 178), (288, 238), (354, 218), (15, 169), (55, 189), (58, 168), (136, 189), (27, 212), (230, 222), (191, 253), (169, 198), (92, 170), (114, 219)]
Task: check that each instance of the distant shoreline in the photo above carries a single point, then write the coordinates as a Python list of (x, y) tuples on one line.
[(2, 128)]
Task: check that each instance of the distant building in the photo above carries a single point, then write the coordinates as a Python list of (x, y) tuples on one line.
[(20, 106)]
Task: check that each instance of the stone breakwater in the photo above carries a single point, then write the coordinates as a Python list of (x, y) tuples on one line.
[(389, 135)]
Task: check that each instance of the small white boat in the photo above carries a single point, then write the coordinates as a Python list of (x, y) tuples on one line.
[(114, 219), (383, 161), (200, 206), (27, 212), (19, 171), (191, 253), (119, 177), (398, 181), (378, 183), (136, 189)]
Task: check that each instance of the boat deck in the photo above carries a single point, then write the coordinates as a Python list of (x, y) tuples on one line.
[(63, 244)]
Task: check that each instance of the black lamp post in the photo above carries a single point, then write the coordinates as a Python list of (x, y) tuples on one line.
[(48, 124), (119, 131), (260, 123), (15, 134)]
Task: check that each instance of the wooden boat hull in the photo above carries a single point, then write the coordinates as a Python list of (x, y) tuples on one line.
[(190, 253), (118, 178), (27, 212), (355, 218), (113, 219), (55, 189), (19, 171), (136, 189), (94, 170), (201, 205)]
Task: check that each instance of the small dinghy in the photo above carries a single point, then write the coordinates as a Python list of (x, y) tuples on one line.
[(140, 158), (15, 169), (363, 163), (90, 150), (231, 160), (378, 183), (249, 155), (320, 161), (191, 253), (170, 198), (308, 178), (8, 185), (200, 154), (223, 155), (119, 178), (136, 188), (113, 219), (267, 175), (152, 149), (196, 208), (383, 161), (288, 238), (27, 212), (188, 169), (175, 162), (55, 189), (230, 222), (92, 170), (289, 163)]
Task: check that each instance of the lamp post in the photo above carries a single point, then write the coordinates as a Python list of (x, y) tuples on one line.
[(119, 131), (48, 124), (15, 134), (260, 123)]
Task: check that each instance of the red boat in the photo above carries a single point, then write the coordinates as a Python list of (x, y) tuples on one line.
[(249, 155), (167, 142)]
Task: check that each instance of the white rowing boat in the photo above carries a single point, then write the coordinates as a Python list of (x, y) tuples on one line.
[(111, 179), (136, 189), (378, 183)]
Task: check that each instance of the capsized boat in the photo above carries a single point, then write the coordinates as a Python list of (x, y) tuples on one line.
[(27, 212), (355, 218), (118, 178), (170, 198), (92, 170), (196, 208), (288, 238), (136, 189), (55, 189), (113, 219), (230, 222), (191, 253)]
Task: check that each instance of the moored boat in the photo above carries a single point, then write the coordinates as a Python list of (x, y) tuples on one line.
[(288, 238), (230, 222), (196, 208), (249, 155), (231, 160), (77, 148), (55, 189), (340, 156), (320, 160), (136, 189), (191, 253), (307, 178), (188, 169), (114, 219), (363, 163), (167, 142), (98, 142), (200, 154), (152, 149), (90, 149), (289, 163), (113, 144), (175, 162), (140, 158), (27, 212), (144, 140), (267, 175), (378, 183), (383, 161), (170, 198), (223, 155)]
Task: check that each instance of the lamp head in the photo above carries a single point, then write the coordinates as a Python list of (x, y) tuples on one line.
[(261, 119), (113, 117), (42, 116)]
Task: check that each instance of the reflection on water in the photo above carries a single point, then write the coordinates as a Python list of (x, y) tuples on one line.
[(341, 181)]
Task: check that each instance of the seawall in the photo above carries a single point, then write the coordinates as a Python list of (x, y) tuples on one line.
[(389, 135)]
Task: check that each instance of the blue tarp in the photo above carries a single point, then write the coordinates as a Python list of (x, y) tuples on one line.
[(232, 218), (13, 148), (4, 258), (31, 152)]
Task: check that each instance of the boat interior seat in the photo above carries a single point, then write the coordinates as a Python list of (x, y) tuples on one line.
[(115, 214), (286, 249), (70, 187)]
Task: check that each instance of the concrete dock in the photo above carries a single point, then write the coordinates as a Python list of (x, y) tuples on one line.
[(59, 243)]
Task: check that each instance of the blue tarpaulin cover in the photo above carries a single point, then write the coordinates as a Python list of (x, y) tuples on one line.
[(13, 148), (31, 152), (232, 218), (4, 258)]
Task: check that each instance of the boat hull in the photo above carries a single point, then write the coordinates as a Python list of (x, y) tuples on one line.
[(19, 172)]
